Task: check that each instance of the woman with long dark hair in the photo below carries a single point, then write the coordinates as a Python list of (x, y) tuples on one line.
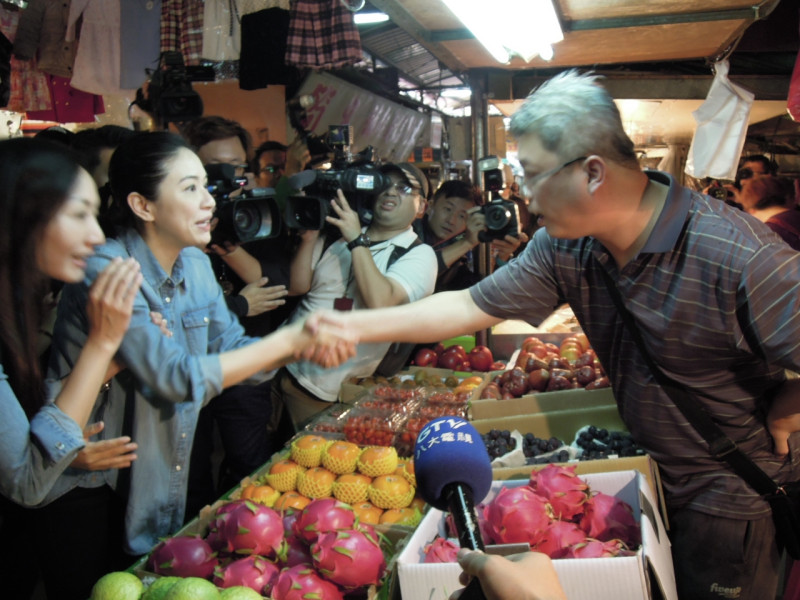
[(48, 231)]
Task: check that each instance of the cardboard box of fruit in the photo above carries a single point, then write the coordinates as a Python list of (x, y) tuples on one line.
[(541, 402), (637, 576)]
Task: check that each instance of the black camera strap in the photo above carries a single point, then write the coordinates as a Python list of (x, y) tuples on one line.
[(720, 445)]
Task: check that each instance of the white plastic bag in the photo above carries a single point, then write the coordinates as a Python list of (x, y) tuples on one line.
[(721, 128)]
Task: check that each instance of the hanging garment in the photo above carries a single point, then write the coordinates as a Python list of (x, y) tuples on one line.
[(70, 105), (262, 61), (222, 39), (29, 87), (793, 105), (42, 35), (322, 35), (140, 41), (721, 128), (97, 63), (182, 29)]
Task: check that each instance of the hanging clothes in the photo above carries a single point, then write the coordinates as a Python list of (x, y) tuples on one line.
[(182, 29), (42, 35), (140, 41), (322, 35), (222, 39), (262, 63), (29, 87), (70, 105), (97, 63)]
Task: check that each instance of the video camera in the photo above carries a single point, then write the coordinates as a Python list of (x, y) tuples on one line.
[(246, 217), (358, 177), (318, 146), (502, 216), (169, 96)]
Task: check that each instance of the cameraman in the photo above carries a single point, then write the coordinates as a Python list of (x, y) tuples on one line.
[(247, 421), (383, 264)]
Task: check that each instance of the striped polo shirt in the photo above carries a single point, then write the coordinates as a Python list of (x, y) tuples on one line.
[(716, 296)]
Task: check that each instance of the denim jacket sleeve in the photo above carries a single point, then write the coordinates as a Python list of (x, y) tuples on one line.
[(33, 455), (179, 368)]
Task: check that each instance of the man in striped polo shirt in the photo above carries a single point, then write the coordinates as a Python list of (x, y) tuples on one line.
[(714, 293)]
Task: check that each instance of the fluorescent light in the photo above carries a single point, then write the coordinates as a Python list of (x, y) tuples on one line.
[(509, 28), (367, 18)]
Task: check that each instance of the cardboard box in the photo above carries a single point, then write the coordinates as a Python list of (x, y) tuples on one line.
[(562, 424), (539, 403), (638, 577)]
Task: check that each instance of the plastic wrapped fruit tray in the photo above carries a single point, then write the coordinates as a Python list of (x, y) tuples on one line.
[(372, 426)]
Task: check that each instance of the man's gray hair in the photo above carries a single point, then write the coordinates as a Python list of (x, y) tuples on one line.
[(573, 115)]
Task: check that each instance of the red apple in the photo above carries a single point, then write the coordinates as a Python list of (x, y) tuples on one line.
[(426, 357), (480, 358), (531, 342), (439, 349), (450, 360)]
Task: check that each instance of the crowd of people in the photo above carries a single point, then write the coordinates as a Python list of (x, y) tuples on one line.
[(164, 344)]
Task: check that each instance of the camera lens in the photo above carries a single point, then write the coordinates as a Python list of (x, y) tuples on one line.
[(497, 217), (250, 221)]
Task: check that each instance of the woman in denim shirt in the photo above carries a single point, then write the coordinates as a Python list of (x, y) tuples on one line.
[(48, 206), (159, 188)]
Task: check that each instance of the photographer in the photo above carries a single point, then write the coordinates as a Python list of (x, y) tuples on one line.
[(383, 264)]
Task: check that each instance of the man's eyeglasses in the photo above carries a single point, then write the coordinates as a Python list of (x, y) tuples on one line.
[(239, 168), (272, 169), (401, 188), (530, 183)]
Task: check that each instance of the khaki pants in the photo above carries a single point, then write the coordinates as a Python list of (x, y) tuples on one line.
[(301, 406)]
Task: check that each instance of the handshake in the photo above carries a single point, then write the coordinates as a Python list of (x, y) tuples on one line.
[(323, 338)]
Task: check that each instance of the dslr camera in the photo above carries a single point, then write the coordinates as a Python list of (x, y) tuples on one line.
[(358, 177), (247, 217), (502, 216)]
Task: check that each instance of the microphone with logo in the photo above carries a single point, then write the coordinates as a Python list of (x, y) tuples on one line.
[(453, 471)]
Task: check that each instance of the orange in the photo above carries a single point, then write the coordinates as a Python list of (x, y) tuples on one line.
[(367, 513), (283, 475), (316, 482), (263, 494), (351, 487), (377, 460), (402, 516), (340, 456), (293, 500), (390, 491), (307, 450)]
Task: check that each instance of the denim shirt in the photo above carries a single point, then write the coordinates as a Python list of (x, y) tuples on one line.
[(168, 379), (33, 455)]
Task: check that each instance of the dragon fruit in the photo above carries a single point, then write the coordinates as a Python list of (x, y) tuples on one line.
[(596, 549), (301, 582), (518, 514), (441, 550), (294, 551), (184, 556), (349, 558), (607, 518), (252, 528), (556, 540), (321, 516), (565, 491), (255, 572)]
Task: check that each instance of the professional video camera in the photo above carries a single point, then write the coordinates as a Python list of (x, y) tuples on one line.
[(357, 176), (502, 216), (169, 95), (246, 217)]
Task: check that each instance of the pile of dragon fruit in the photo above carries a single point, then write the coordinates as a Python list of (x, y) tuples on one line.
[(320, 552), (557, 514)]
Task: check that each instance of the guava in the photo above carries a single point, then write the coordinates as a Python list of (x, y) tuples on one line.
[(240, 592), (118, 585), (193, 588), (159, 588)]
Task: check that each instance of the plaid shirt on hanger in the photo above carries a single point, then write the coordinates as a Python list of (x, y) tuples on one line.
[(322, 35), (182, 29)]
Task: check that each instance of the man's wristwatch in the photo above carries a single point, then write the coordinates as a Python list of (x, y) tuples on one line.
[(361, 240)]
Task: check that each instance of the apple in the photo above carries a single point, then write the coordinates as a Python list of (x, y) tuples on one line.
[(571, 352), (538, 379), (426, 357), (540, 351), (480, 358), (498, 365), (439, 349), (450, 360), (531, 342), (584, 341)]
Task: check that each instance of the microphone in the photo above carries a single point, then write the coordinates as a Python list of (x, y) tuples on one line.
[(453, 469)]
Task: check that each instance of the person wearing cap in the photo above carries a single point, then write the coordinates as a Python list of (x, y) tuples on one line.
[(379, 265)]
